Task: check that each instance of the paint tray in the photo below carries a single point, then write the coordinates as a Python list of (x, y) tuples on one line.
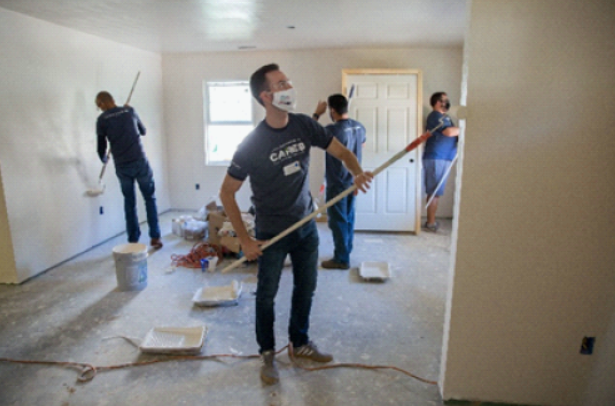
[(375, 271), (218, 295), (174, 340)]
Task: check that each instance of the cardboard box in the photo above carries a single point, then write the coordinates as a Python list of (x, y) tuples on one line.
[(232, 243), (215, 219)]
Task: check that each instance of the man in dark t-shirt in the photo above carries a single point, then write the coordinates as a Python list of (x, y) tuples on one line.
[(341, 215), (275, 158), (122, 128)]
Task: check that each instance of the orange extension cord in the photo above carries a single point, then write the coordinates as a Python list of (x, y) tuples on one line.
[(199, 251), (87, 371)]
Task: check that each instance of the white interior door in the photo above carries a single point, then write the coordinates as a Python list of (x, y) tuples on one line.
[(387, 104)]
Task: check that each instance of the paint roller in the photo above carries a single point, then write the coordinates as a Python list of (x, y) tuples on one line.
[(413, 145), (350, 94), (101, 188)]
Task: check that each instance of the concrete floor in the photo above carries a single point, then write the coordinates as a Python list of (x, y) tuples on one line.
[(69, 313)]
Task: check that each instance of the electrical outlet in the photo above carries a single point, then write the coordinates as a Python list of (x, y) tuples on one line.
[(197, 186), (587, 345), (101, 210)]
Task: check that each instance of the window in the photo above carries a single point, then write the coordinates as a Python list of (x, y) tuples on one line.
[(229, 120)]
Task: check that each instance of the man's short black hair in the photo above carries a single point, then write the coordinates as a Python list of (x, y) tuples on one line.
[(339, 103), (435, 97), (258, 81)]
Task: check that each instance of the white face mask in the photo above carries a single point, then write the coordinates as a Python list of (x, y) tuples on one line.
[(285, 99)]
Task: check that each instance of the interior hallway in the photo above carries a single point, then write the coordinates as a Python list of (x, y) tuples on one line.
[(69, 313)]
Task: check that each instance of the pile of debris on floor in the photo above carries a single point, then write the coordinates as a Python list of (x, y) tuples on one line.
[(211, 224)]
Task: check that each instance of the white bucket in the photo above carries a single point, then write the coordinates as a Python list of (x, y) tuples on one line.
[(130, 266)]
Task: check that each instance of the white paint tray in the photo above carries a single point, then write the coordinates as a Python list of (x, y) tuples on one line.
[(174, 340), (374, 271), (218, 295)]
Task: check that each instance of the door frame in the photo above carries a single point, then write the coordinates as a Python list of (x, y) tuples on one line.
[(419, 122)]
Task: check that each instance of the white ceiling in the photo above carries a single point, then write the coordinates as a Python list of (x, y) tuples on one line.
[(227, 25)]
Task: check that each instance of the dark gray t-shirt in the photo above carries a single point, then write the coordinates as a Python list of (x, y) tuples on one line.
[(351, 134), (123, 128), (277, 163)]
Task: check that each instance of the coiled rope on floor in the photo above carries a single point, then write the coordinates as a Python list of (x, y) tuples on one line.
[(87, 371)]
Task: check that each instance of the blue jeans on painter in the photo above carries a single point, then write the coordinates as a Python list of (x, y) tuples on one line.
[(302, 245), (341, 222), (140, 172)]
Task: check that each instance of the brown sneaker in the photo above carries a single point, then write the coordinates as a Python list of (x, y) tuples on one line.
[(156, 243), (310, 351), (269, 371), (332, 264)]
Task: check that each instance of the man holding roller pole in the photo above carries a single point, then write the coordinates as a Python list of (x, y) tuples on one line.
[(123, 129), (440, 150), (275, 156), (341, 215)]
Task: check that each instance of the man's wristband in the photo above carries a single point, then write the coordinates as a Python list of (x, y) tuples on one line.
[(315, 116)]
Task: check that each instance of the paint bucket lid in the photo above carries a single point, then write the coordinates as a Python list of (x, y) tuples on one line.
[(130, 248)]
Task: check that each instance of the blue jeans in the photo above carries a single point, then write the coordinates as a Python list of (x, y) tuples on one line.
[(302, 245), (140, 172), (341, 222)]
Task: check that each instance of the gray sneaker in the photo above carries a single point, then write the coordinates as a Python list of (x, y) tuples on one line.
[(269, 371), (310, 351), (431, 227)]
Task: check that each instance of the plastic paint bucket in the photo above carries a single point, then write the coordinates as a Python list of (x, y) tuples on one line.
[(130, 266)]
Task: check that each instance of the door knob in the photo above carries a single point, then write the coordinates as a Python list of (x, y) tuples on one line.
[(411, 160)]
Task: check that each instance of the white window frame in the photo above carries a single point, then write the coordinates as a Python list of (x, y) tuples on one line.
[(241, 125)]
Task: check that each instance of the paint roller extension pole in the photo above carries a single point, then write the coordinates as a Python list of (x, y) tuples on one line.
[(336, 199), (441, 180), (102, 171), (132, 89)]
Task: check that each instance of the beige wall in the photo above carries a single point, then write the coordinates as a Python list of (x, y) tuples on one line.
[(315, 74), (49, 77), (7, 258), (534, 259)]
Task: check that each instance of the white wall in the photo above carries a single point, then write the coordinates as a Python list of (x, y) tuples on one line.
[(534, 259), (316, 74), (49, 78)]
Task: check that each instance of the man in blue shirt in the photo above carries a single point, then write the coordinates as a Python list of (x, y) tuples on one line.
[(275, 156), (341, 215), (440, 150), (122, 128)]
